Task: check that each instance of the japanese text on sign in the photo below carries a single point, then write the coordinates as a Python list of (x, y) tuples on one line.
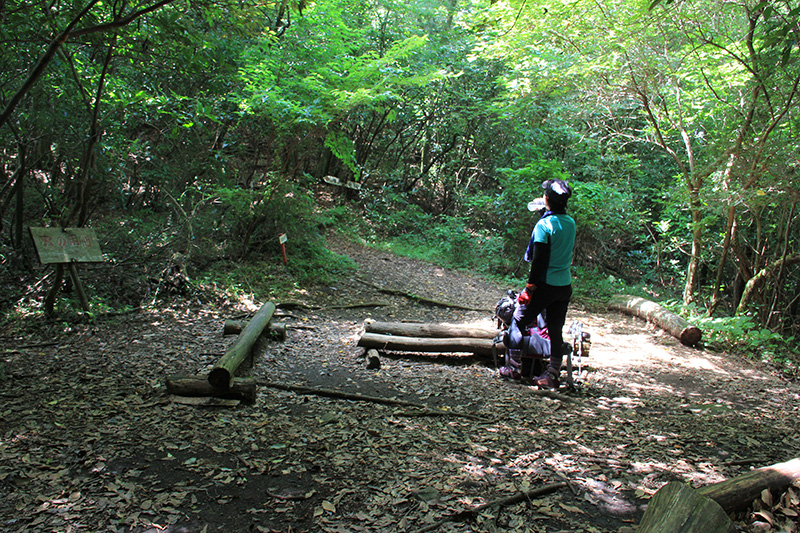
[(57, 245)]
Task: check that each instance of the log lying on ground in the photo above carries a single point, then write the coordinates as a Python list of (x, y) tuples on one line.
[(424, 329), (428, 344), (243, 389), (221, 376), (234, 327), (677, 326), (737, 493), (678, 508)]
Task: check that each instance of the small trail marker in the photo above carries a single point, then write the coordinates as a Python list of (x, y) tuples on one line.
[(282, 239)]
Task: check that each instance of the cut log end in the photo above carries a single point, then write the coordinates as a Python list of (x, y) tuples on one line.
[(220, 378), (690, 336)]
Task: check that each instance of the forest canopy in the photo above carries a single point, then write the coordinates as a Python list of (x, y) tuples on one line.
[(203, 130)]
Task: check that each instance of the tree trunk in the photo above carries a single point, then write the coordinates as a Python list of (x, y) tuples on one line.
[(760, 277), (726, 244), (424, 329), (243, 389), (667, 320), (221, 376), (693, 270), (435, 345)]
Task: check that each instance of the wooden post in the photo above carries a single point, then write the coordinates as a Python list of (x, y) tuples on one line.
[(221, 376), (73, 274)]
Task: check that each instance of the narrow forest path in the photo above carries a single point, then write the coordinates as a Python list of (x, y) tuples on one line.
[(91, 442)]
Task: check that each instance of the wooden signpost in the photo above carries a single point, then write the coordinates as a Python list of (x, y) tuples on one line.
[(282, 238), (66, 246)]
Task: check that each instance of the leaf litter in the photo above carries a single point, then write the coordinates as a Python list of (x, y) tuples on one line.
[(90, 440)]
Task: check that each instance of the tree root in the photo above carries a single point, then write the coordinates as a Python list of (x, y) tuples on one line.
[(424, 410), (419, 299), (501, 502)]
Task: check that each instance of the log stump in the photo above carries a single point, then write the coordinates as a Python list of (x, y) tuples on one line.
[(677, 508)]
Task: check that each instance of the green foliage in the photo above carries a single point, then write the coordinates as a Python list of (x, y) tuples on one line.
[(743, 334), (610, 230), (592, 287), (392, 214), (445, 240), (217, 121), (272, 280), (520, 186), (343, 148)]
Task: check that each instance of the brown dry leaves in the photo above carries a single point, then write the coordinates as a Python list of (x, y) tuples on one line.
[(90, 442)]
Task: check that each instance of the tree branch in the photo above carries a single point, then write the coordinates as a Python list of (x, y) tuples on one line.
[(60, 39), (501, 502)]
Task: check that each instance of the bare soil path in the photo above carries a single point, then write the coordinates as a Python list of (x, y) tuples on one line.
[(89, 441)]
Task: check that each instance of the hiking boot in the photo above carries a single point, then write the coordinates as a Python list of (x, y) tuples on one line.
[(513, 365), (548, 380)]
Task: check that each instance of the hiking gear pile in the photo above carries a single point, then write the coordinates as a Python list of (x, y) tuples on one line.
[(529, 363)]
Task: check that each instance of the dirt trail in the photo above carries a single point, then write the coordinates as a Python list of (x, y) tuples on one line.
[(91, 442)]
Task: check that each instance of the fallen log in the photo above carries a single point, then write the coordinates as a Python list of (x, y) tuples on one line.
[(737, 493), (428, 345), (424, 329), (243, 389), (676, 507), (676, 325), (277, 330), (221, 376)]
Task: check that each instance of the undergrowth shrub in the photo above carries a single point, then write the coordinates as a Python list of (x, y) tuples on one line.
[(450, 242), (742, 334), (609, 232), (592, 288), (520, 186)]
